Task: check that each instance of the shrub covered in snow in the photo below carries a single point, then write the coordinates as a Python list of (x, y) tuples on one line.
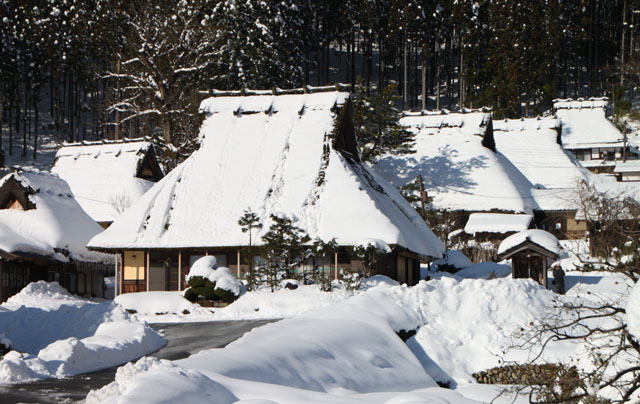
[(453, 261), (208, 280)]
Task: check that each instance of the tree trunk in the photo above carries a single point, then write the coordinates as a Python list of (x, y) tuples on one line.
[(424, 77), (438, 71), (24, 125), (11, 125), (461, 76), (2, 98), (166, 128), (624, 26), (36, 107), (405, 74)]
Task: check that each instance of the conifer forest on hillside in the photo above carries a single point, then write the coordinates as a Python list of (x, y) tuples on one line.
[(97, 69)]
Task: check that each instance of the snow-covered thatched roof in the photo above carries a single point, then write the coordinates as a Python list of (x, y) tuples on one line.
[(460, 169), (291, 154), (585, 125), (532, 145), (497, 223), (107, 176), (39, 216)]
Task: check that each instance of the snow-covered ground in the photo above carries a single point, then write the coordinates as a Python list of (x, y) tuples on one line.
[(342, 347), (54, 334), (337, 347)]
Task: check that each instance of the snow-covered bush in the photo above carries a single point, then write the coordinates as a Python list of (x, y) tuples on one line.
[(208, 280)]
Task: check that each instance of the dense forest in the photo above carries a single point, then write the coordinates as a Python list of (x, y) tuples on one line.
[(113, 68)]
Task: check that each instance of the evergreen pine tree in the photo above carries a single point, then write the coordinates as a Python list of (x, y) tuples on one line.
[(249, 222), (284, 246), (246, 55), (377, 125)]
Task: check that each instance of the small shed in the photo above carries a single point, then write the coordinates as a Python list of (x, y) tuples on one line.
[(531, 253), (627, 171)]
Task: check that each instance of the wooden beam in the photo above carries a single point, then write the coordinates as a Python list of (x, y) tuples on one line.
[(238, 263), (115, 290), (179, 270), (336, 263), (122, 273), (147, 269)]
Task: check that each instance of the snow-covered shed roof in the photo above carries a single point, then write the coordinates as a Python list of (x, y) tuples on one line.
[(290, 154), (585, 125), (533, 146), (497, 223), (459, 168), (630, 166), (533, 238), (39, 215), (107, 176)]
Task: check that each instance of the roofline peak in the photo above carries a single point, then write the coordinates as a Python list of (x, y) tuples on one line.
[(106, 141), (340, 87)]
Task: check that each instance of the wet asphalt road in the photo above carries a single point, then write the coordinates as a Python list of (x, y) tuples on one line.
[(183, 340)]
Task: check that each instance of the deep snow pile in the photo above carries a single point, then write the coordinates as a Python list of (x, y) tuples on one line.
[(170, 307), (349, 351), (162, 307), (55, 334)]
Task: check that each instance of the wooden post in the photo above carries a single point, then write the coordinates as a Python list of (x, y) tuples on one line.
[(115, 290), (238, 263), (122, 273), (336, 263), (179, 270), (147, 270)]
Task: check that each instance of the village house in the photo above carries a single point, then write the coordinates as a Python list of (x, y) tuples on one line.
[(107, 176), (281, 152), (43, 233), (590, 136), (456, 156), (534, 147), (463, 173)]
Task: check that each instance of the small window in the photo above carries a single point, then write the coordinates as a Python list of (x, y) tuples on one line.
[(558, 226)]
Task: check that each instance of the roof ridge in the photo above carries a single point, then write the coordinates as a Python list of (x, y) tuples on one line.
[(339, 87), (445, 111), (106, 141), (16, 169)]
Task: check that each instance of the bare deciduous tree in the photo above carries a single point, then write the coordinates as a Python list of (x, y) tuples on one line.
[(596, 323)]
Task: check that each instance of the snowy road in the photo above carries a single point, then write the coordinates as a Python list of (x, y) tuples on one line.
[(183, 340)]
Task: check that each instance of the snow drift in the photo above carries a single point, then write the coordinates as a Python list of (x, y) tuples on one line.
[(55, 334)]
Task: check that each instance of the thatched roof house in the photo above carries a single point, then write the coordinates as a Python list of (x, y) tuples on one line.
[(43, 234), (107, 176), (589, 135), (456, 155), (291, 153)]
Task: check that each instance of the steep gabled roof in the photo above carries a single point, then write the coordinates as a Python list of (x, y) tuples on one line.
[(105, 175), (533, 146), (585, 125), (48, 221), (460, 170), (274, 154), (538, 240)]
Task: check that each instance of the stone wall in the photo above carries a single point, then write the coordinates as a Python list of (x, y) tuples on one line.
[(519, 374)]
